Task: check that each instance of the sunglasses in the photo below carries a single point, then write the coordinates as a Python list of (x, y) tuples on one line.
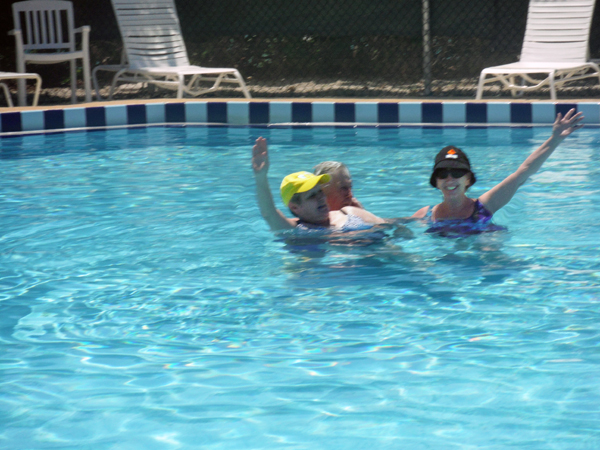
[(454, 173)]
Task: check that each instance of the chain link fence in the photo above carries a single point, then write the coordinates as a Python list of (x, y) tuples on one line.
[(327, 48)]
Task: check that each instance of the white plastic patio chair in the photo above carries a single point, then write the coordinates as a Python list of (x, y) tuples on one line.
[(45, 34), (154, 52), (555, 49), (20, 76)]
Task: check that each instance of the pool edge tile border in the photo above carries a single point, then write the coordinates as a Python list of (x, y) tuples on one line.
[(301, 113)]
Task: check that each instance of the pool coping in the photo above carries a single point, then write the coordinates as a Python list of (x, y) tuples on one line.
[(289, 113)]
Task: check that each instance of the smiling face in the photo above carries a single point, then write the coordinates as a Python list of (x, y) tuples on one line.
[(451, 184), (339, 190), (311, 206)]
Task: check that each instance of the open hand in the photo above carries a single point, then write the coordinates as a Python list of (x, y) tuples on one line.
[(260, 156), (564, 126)]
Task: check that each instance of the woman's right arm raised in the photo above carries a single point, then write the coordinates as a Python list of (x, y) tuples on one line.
[(260, 164), (502, 193)]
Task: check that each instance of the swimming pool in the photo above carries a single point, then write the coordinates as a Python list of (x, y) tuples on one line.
[(145, 304)]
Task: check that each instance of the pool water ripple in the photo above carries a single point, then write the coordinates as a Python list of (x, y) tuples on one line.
[(145, 304)]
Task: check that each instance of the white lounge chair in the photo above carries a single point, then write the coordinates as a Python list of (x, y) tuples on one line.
[(20, 76), (45, 34), (555, 49), (154, 52)]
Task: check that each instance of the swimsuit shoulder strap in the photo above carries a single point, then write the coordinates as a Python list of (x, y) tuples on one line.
[(480, 212)]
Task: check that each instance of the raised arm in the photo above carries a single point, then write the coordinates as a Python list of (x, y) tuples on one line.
[(501, 194), (260, 164)]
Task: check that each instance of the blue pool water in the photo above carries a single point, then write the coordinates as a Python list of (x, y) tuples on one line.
[(145, 305)]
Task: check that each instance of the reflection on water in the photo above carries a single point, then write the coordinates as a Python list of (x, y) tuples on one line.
[(386, 264)]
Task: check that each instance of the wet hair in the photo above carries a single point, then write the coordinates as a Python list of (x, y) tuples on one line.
[(330, 167)]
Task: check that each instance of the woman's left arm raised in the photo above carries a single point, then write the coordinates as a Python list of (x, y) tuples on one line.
[(502, 193)]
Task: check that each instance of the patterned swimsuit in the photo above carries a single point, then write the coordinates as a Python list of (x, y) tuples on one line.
[(479, 222)]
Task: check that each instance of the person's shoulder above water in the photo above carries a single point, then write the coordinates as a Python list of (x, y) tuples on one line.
[(422, 213)]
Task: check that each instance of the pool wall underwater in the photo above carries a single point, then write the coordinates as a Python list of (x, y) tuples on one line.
[(261, 113)]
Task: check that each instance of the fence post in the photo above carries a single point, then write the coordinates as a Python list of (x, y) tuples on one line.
[(426, 49)]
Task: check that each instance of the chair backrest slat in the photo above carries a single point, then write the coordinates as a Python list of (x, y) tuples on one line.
[(52, 17), (45, 27), (58, 20), (557, 31), (31, 29), (45, 24), (151, 33)]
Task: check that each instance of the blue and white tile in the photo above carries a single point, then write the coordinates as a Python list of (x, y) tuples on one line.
[(75, 118), (238, 113), (280, 112), (115, 115), (196, 112), (591, 112), (32, 120), (454, 112), (498, 112), (155, 113), (411, 112), (323, 112), (543, 113), (366, 112)]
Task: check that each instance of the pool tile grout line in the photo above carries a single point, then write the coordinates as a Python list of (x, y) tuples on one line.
[(292, 113)]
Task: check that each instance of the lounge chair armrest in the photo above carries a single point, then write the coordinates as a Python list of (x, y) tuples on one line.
[(84, 29), (17, 33), (85, 35)]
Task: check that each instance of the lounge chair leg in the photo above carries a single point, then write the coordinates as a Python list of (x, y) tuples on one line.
[(87, 84), (73, 81), (7, 94), (95, 82), (114, 83), (181, 79), (242, 85), (480, 87), (38, 88), (21, 86)]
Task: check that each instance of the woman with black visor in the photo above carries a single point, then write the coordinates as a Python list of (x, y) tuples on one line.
[(452, 175)]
